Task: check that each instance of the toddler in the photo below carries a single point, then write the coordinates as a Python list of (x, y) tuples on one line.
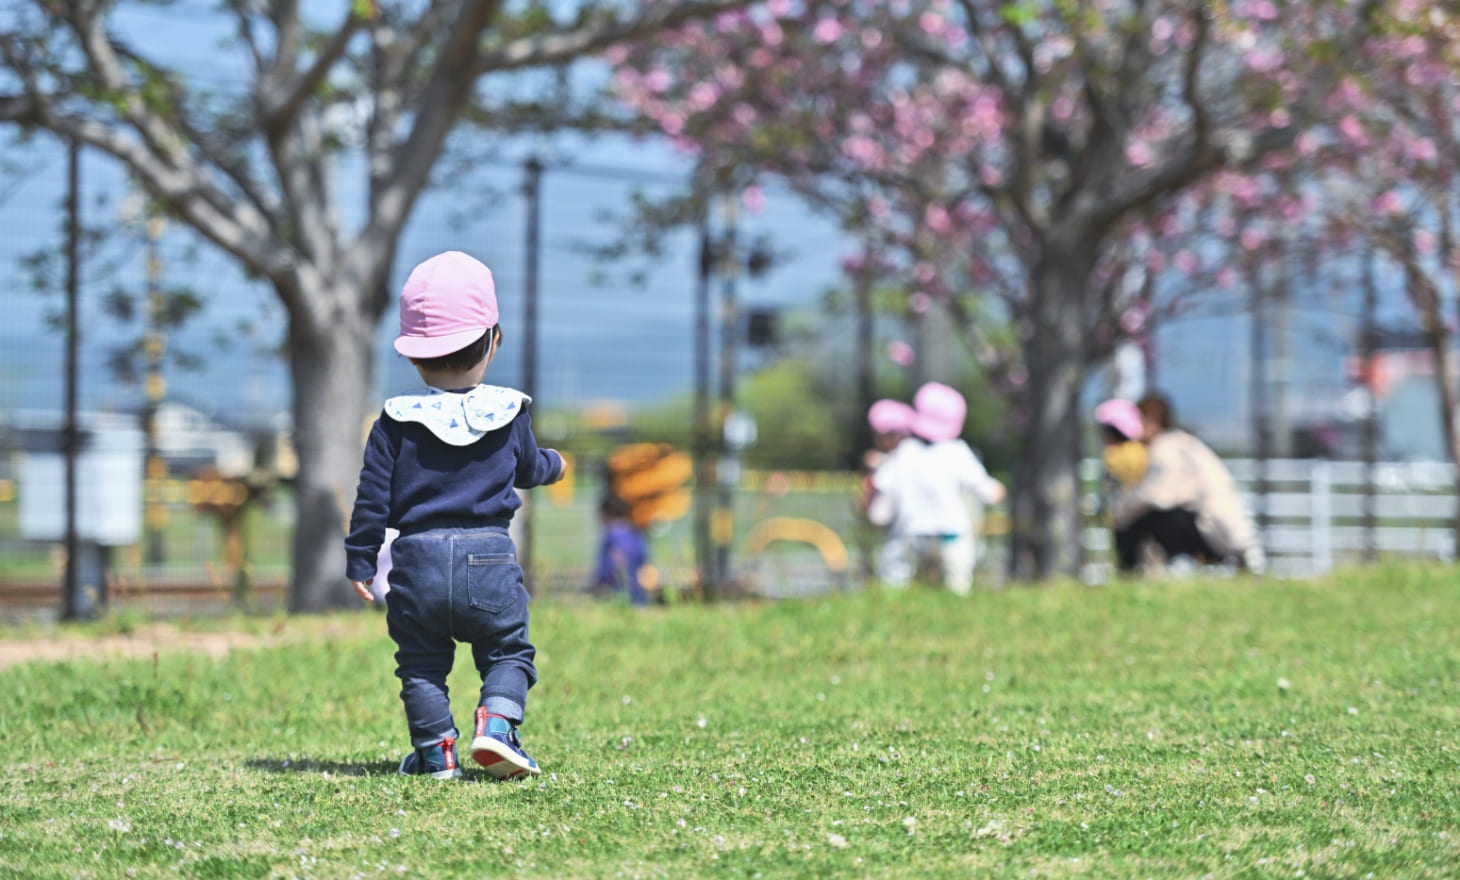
[(441, 466)]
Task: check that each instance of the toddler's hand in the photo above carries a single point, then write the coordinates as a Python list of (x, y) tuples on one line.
[(363, 588)]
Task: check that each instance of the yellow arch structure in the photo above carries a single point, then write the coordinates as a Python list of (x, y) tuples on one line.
[(784, 528)]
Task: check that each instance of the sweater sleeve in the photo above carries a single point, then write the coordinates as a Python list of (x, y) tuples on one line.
[(372, 502), (535, 466)]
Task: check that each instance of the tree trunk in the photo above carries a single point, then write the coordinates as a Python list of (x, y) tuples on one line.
[(332, 369), (1044, 503)]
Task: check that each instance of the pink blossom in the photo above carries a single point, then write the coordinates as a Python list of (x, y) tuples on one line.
[(1018, 376), (658, 81), (703, 95), (1226, 278), (1133, 319), (1138, 154), (1252, 238), (932, 24), (871, 38), (1264, 10), (1424, 241), (924, 273), (937, 219), (1186, 261), (1422, 149), (1388, 204), (753, 198), (828, 30), (771, 35), (920, 302), (900, 353)]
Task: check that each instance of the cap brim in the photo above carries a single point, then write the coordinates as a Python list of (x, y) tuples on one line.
[(436, 346)]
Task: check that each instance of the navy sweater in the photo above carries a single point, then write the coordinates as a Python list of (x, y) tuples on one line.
[(410, 477)]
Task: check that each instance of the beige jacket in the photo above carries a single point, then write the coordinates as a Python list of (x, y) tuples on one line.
[(1183, 472)]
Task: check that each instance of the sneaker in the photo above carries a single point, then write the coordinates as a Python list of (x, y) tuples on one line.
[(497, 748), (437, 762)]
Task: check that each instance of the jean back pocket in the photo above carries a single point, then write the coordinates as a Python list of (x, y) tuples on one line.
[(493, 581)]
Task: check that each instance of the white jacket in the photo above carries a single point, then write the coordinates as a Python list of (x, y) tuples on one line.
[(921, 489)]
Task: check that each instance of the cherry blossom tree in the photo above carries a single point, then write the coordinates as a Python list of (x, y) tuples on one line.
[(1052, 157), (1391, 173), (256, 171)]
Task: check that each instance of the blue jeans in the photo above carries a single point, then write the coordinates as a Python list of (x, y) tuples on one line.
[(450, 585)]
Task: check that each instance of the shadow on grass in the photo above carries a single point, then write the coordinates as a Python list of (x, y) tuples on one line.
[(333, 768)]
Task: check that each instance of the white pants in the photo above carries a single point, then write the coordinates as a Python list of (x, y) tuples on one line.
[(953, 556)]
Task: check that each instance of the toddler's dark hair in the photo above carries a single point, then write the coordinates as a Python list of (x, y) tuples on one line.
[(1112, 434), (614, 507), (463, 358)]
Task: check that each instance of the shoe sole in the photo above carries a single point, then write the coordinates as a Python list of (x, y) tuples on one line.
[(500, 761)]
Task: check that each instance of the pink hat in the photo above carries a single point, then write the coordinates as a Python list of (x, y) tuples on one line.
[(1121, 415), (890, 417), (447, 304), (940, 412)]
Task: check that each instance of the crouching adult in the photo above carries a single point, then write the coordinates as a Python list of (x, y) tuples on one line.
[(1184, 504)]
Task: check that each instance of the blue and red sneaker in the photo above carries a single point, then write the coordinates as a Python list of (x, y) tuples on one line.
[(498, 749), (437, 762)]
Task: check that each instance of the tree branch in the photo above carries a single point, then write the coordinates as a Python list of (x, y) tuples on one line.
[(547, 49), (281, 103)]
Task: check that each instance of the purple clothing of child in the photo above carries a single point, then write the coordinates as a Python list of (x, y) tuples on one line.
[(623, 552)]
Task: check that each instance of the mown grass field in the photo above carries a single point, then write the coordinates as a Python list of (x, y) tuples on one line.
[(1200, 728)]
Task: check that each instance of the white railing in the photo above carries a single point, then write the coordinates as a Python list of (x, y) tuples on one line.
[(1315, 511)]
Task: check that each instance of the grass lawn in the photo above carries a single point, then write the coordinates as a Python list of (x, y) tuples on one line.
[(1200, 728)]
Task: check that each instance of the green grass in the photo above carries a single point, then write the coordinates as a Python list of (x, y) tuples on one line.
[(1223, 728)]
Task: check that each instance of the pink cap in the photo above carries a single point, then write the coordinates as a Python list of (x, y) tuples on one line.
[(447, 304), (1121, 415), (940, 412), (890, 417)]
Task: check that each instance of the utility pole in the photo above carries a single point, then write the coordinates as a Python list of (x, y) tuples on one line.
[(1368, 351), (77, 603), (723, 523), (865, 339), (532, 189), (704, 471), (154, 387)]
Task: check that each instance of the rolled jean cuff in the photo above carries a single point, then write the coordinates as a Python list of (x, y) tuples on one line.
[(506, 707), (434, 734)]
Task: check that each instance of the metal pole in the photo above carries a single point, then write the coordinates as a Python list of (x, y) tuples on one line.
[(1368, 348), (1282, 357), (728, 468), (75, 603), (532, 188), (1261, 427), (704, 471), (866, 384)]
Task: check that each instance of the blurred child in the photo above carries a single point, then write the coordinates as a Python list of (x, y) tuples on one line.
[(441, 465), (930, 486), (891, 423), (1121, 446), (622, 554)]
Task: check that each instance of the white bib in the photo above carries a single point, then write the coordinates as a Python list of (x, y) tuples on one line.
[(459, 418)]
